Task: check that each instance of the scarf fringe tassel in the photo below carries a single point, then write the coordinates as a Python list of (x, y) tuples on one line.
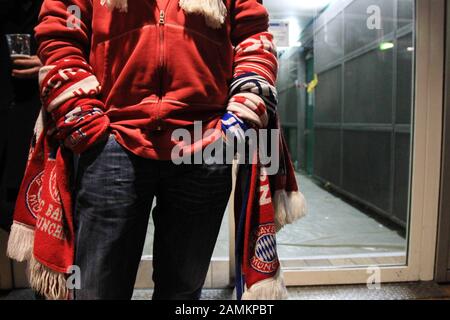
[(121, 5), (48, 283), (214, 11), (289, 207), (268, 289), (20, 242), (43, 280)]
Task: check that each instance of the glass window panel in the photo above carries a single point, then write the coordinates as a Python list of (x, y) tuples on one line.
[(405, 52), (366, 169), (328, 41), (357, 21), (357, 121), (368, 88), (327, 155), (352, 132), (328, 98), (401, 176), (405, 11)]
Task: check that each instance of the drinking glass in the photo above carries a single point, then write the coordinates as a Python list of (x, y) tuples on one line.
[(19, 45)]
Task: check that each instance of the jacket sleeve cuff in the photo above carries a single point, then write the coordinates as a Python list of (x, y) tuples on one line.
[(83, 138)]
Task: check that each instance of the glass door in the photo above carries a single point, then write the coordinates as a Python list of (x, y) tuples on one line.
[(371, 101)]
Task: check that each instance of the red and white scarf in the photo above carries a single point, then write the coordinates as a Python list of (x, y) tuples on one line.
[(42, 232), (263, 203)]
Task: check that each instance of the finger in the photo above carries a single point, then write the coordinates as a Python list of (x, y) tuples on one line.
[(254, 101), (32, 62), (241, 99), (245, 113), (26, 73), (256, 104), (252, 96)]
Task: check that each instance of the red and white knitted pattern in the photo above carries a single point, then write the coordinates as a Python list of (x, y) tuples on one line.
[(249, 107), (257, 54), (68, 92), (254, 100)]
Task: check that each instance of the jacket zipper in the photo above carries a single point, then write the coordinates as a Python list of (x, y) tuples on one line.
[(161, 25)]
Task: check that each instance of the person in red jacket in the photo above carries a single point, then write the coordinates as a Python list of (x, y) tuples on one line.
[(119, 78)]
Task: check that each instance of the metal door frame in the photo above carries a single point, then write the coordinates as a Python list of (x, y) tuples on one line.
[(443, 243)]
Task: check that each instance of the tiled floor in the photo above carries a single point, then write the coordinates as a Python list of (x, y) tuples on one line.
[(404, 291), (333, 233), (335, 228)]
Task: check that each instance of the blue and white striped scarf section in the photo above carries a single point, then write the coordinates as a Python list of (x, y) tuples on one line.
[(254, 83)]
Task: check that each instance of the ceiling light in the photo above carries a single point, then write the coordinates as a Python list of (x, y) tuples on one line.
[(386, 46)]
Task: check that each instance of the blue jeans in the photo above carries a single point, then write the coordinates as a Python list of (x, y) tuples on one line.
[(113, 198)]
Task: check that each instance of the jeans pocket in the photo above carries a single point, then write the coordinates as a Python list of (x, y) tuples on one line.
[(96, 147)]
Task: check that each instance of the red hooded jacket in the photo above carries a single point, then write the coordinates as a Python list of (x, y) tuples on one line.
[(159, 68)]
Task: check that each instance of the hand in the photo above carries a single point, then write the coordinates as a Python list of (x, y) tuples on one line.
[(26, 68), (81, 138), (83, 148), (249, 107)]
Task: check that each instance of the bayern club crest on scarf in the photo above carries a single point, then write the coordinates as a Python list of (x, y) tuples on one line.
[(265, 258), (34, 195)]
